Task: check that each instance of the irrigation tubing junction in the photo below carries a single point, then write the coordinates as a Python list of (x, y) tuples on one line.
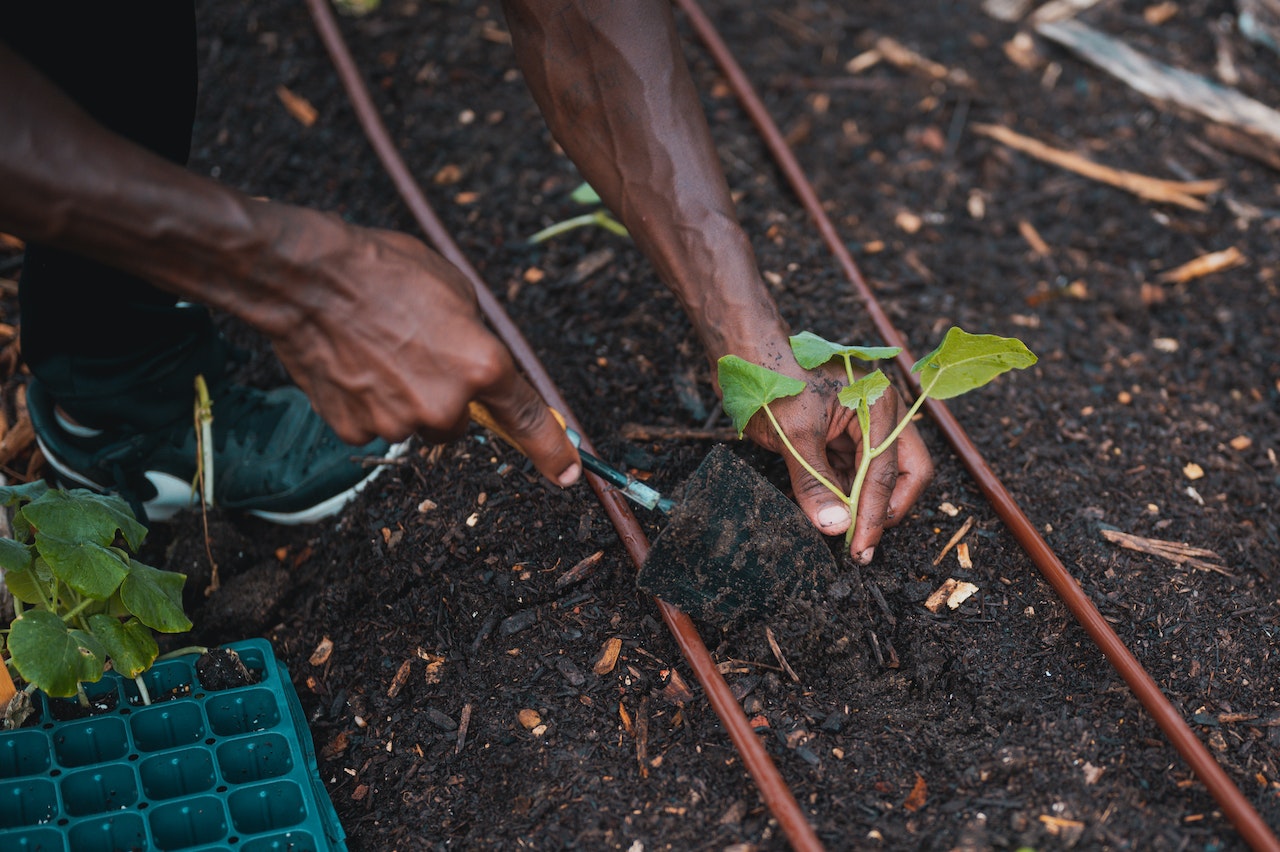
[(773, 788)]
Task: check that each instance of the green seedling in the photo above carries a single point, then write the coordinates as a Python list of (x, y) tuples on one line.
[(81, 600), (961, 363), (599, 217)]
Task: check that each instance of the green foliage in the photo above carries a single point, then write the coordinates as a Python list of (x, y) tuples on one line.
[(748, 387), (600, 218), (961, 363), (89, 600)]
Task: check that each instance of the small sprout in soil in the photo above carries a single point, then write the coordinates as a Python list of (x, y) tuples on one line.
[(82, 602), (599, 217), (961, 363)]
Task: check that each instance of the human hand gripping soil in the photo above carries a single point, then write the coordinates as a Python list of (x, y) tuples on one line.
[(962, 362)]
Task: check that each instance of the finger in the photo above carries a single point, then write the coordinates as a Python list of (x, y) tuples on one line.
[(824, 509), (526, 418), (915, 472)]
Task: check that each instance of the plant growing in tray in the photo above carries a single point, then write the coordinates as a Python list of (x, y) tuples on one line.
[(81, 598)]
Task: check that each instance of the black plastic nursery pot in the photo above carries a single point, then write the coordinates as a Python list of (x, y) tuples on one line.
[(199, 768)]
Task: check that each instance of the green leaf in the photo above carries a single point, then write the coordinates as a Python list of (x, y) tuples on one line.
[(82, 515), (88, 567), (865, 391), (14, 556), (155, 597), (129, 644), (748, 387), (966, 361), (16, 495), (585, 194), (32, 584), (52, 656), (812, 351)]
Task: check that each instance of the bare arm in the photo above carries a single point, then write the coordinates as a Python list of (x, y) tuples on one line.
[(382, 333), (614, 88)]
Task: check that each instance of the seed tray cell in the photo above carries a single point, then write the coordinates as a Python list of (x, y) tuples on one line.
[(231, 770)]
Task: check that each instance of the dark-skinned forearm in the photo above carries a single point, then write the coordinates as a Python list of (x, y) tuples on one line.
[(614, 88), (72, 184)]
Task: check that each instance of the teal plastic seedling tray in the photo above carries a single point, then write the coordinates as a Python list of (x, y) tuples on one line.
[(231, 770)]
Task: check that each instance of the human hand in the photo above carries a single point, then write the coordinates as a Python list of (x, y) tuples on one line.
[(386, 339), (827, 435)]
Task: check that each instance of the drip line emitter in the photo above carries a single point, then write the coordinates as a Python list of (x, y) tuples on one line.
[(773, 789)]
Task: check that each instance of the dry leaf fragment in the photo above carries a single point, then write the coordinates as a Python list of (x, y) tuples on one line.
[(951, 593), (299, 107), (529, 719), (1092, 773), (918, 795), (608, 656), (435, 666), (321, 654)]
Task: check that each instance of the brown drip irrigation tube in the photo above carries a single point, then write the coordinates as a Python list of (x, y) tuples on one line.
[(1237, 808), (773, 789)]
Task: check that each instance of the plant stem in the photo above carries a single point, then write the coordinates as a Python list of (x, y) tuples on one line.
[(182, 652), (777, 427), (77, 609), (204, 441), (143, 691), (598, 217)]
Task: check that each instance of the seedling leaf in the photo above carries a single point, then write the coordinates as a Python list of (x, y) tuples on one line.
[(129, 644), (53, 656), (812, 351), (865, 391), (15, 495), (29, 584), (963, 362), (155, 597), (14, 556), (86, 566), (585, 194), (748, 387), (81, 515)]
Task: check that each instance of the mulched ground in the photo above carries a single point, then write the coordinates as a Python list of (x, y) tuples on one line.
[(992, 726)]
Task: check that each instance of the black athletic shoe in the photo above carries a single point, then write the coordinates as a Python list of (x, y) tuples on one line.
[(273, 457)]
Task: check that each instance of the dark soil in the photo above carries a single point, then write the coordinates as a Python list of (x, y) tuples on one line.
[(991, 726)]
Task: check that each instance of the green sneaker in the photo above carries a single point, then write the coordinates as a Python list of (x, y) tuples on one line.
[(273, 457)]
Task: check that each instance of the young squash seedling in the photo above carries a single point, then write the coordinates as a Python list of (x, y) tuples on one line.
[(599, 217), (80, 597), (961, 363)]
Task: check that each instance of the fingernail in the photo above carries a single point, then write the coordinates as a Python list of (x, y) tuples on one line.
[(864, 558), (570, 475), (832, 515)]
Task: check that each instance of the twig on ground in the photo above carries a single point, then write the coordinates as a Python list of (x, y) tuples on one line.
[(1181, 554), (777, 652), (955, 539), (1205, 264)]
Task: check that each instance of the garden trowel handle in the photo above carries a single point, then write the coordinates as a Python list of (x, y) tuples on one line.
[(631, 488)]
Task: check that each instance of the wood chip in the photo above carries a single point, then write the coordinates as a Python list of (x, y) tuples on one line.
[(677, 691), (777, 652), (1151, 189), (529, 719), (435, 666), (902, 57), (463, 724), (1181, 554), (580, 572), (1164, 83), (608, 656), (950, 594), (642, 737), (1241, 442), (323, 651), (1193, 471), (627, 724), (299, 107), (962, 556), (955, 539), (401, 678), (1033, 238), (1205, 264)]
